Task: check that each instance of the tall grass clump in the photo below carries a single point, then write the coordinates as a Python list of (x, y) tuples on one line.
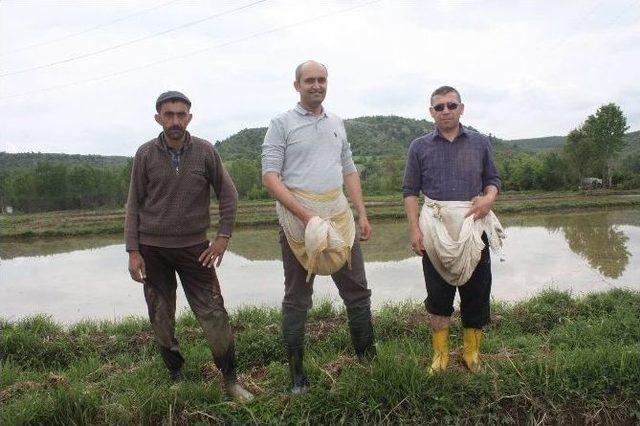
[(553, 359)]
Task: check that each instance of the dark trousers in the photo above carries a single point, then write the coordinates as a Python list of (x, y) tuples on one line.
[(474, 294), (202, 290), (351, 283), (352, 287)]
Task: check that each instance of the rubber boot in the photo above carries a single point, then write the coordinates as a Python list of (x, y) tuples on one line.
[(174, 360), (293, 326), (226, 363), (440, 342), (361, 330), (471, 338)]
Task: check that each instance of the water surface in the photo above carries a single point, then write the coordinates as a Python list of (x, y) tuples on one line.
[(86, 277)]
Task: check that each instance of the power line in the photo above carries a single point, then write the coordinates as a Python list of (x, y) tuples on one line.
[(195, 52), (130, 42), (88, 30)]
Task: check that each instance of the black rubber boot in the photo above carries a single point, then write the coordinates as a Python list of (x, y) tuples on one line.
[(173, 360), (293, 325), (299, 382), (361, 330)]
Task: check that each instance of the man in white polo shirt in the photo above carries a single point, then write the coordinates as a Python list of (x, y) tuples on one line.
[(306, 160)]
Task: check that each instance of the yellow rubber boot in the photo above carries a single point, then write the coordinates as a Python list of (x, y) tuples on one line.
[(471, 338), (440, 341)]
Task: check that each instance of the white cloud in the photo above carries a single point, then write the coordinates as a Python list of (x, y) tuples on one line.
[(525, 70)]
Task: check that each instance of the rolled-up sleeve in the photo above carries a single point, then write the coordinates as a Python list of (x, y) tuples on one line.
[(412, 182), (490, 174), (273, 148), (348, 165)]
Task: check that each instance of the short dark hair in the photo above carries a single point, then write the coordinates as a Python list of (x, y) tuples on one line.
[(299, 68), (443, 90)]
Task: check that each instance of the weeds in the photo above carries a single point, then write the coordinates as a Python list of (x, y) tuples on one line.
[(551, 359)]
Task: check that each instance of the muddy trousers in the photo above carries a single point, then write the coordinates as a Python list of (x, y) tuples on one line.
[(201, 287), (352, 287)]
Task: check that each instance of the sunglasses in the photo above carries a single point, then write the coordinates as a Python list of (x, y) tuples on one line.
[(451, 106)]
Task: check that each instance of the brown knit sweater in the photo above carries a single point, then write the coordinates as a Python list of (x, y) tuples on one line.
[(166, 208)]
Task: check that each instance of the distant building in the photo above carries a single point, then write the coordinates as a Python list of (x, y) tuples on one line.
[(590, 183)]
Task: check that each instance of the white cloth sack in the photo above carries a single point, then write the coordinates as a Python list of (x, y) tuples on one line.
[(324, 245), (454, 243)]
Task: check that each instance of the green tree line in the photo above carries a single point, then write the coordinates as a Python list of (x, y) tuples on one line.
[(594, 149), (58, 186)]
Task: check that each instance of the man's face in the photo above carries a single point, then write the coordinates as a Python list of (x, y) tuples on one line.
[(448, 118), (312, 85), (174, 117)]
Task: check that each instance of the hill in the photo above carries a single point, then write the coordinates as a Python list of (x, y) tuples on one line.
[(552, 143), (374, 135), (27, 159), (548, 143), (369, 136)]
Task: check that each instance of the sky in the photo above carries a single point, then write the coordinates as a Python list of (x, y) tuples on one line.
[(82, 77)]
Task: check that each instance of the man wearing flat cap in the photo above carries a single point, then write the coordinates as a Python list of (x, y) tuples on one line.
[(166, 233)]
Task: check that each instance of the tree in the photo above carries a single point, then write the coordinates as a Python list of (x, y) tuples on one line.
[(579, 151), (246, 176), (552, 172), (605, 133)]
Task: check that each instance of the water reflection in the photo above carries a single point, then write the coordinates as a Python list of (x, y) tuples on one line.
[(604, 248), (76, 278), (595, 236), (28, 247)]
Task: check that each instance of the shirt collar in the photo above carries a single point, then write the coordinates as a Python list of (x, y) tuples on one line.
[(463, 131), (300, 110), (163, 143)]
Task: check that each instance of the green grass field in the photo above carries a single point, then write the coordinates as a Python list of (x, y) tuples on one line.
[(552, 359)]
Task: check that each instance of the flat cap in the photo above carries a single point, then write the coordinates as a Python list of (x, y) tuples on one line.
[(172, 95)]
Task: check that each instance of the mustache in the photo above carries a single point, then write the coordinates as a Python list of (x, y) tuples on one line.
[(175, 128)]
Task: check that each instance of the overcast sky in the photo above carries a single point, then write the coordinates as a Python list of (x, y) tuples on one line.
[(81, 77)]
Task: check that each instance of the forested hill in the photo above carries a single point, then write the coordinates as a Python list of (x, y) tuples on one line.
[(29, 159), (377, 135), (539, 144), (369, 136), (557, 142)]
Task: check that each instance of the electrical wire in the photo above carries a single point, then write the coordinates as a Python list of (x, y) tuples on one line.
[(195, 52), (88, 30), (130, 42)]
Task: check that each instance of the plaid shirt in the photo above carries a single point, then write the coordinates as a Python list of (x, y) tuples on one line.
[(450, 171)]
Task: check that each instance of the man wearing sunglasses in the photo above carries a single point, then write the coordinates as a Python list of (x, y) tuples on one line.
[(453, 168)]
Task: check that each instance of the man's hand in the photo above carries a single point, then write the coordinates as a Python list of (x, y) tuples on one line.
[(306, 216), (365, 228), (415, 235), (214, 251), (137, 269), (480, 206)]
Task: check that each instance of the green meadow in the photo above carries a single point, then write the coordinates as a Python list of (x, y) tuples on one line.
[(553, 359)]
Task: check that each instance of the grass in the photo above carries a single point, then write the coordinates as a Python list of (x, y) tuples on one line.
[(553, 359), (256, 213)]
